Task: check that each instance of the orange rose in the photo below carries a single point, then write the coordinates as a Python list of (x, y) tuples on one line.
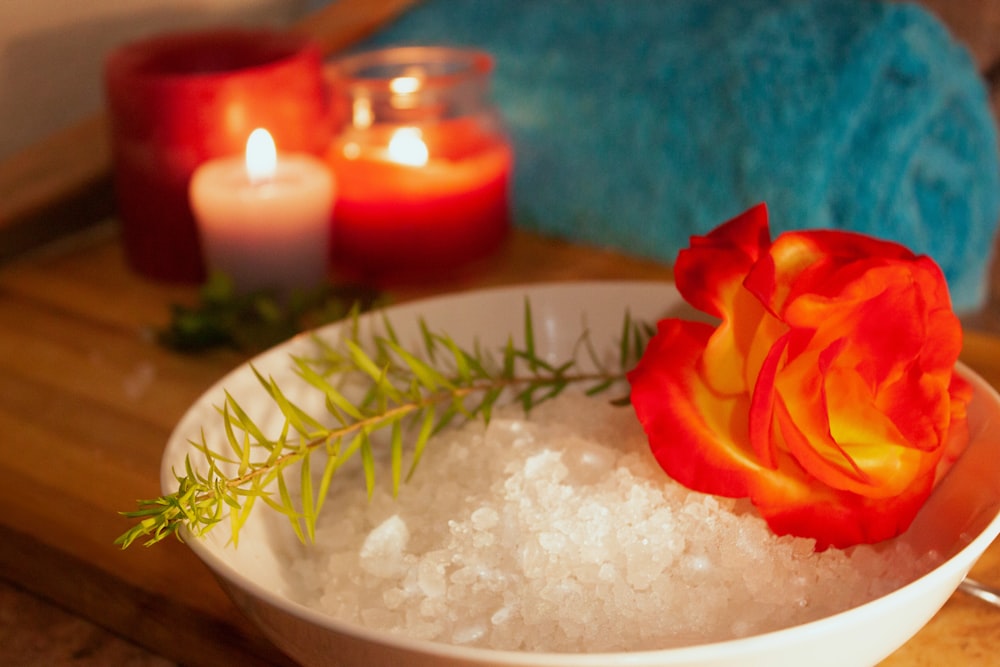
[(826, 394)]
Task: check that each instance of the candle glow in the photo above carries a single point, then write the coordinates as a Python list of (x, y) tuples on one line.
[(264, 219), (403, 85), (407, 147), (261, 156)]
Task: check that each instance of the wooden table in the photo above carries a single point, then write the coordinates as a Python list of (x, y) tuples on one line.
[(87, 400)]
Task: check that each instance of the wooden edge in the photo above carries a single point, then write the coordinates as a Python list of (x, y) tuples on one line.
[(140, 616), (346, 22), (54, 187), (63, 183)]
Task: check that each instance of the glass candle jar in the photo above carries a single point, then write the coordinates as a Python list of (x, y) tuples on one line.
[(421, 160)]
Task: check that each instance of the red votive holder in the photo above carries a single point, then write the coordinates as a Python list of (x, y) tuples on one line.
[(422, 163), (177, 100)]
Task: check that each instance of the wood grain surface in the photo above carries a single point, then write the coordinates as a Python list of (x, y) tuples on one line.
[(88, 399)]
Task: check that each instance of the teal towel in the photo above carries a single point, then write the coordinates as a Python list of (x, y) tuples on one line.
[(638, 123)]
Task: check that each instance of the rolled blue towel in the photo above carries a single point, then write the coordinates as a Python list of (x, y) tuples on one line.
[(638, 123)]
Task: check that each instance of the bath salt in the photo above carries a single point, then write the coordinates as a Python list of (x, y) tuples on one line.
[(559, 532)]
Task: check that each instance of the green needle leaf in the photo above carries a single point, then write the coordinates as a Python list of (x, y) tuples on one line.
[(308, 503), (396, 460)]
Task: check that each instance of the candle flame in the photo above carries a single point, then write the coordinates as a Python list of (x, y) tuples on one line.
[(403, 85), (363, 114), (407, 147), (262, 156)]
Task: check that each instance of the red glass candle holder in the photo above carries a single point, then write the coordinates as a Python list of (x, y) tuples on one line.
[(421, 159), (177, 100)]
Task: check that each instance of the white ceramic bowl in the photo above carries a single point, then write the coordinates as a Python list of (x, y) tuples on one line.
[(959, 521)]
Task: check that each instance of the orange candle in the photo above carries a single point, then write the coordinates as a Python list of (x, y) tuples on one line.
[(422, 165), (430, 197)]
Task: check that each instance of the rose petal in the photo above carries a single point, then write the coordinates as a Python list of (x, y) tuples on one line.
[(696, 436), (709, 273), (762, 403), (836, 518), (732, 357)]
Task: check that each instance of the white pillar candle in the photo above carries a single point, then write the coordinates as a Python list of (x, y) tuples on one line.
[(264, 218)]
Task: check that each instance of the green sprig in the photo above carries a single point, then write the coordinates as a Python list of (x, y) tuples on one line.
[(259, 319), (410, 395)]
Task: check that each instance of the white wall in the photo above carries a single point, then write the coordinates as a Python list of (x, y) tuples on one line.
[(52, 51)]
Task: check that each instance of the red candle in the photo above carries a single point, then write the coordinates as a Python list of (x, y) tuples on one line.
[(178, 100), (421, 162), (396, 212)]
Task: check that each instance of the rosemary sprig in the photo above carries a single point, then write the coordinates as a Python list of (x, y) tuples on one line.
[(367, 387)]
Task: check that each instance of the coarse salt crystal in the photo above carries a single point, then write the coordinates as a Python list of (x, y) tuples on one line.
[(381, 553), (431, 576), (485, 518)]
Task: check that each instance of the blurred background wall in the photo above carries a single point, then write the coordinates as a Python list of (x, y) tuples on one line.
[(51, 51)]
